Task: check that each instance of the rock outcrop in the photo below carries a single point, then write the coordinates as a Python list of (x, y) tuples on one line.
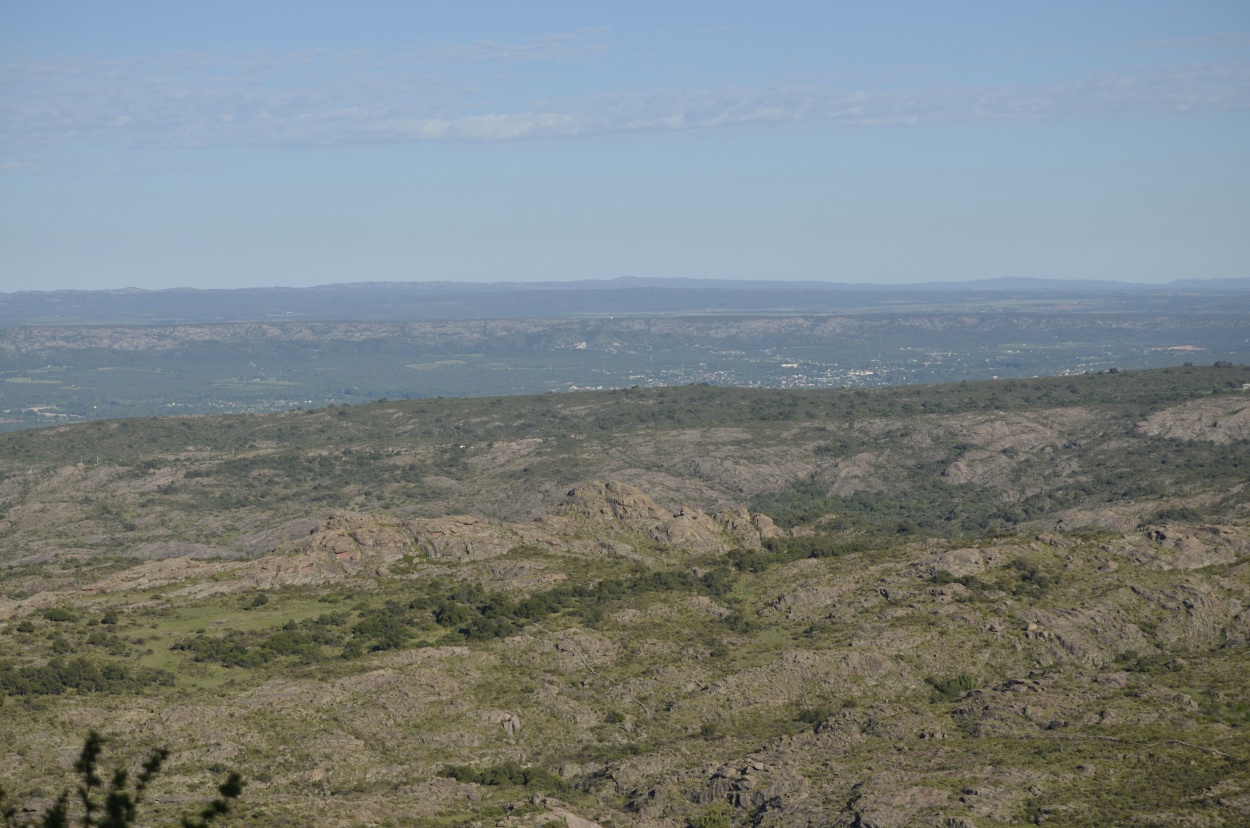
[(1217, 419), (620, 506), (1184, 547), (356, 541), (351, 543)]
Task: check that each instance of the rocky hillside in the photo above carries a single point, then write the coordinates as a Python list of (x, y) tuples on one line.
[(981, 605)]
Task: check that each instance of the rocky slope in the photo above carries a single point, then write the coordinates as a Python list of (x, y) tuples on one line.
[(618, 635), (818, 691)]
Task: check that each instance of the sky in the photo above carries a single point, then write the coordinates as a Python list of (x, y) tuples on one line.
[(230, 144)]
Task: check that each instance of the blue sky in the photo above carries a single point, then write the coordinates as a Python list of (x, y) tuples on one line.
[(224, 144)]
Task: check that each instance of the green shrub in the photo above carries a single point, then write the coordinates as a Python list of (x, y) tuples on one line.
[(506, 773), (1034, 583), (949, 689), (61, 647), (85, 675), (713, 816), (741, 623), (814, 715)]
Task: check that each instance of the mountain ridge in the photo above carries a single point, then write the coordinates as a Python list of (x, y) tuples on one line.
[(436, 286)]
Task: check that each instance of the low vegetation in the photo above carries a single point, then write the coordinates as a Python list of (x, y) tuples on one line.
[(634, 660)]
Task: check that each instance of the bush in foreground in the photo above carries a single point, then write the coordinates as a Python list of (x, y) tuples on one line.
[(121, 800)]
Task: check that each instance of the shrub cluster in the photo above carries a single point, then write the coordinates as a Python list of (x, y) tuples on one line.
[(304, 640), (60, 675), (463, 613), (949, 689), (785, 550), (1034, 583), (507, 773)]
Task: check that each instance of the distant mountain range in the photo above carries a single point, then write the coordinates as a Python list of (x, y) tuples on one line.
[(630, 295), (1007, 283)]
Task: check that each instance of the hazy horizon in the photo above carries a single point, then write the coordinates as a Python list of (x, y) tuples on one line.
[(155, 146), (1004, 283)]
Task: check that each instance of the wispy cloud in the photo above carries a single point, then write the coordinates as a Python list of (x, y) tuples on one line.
[(319, 97), (1224, 40), (546, 48)]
